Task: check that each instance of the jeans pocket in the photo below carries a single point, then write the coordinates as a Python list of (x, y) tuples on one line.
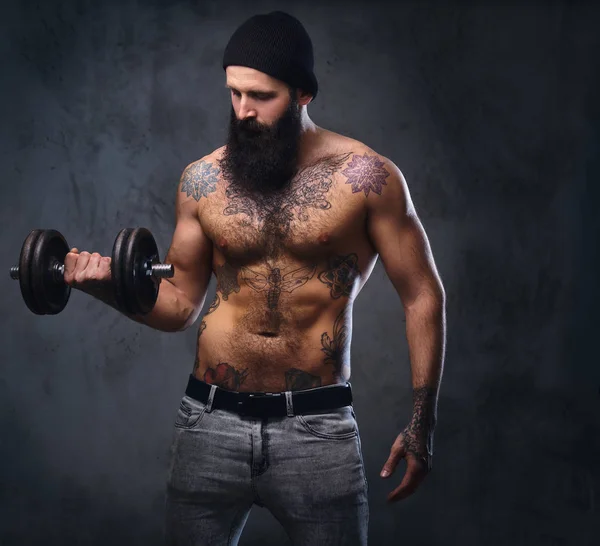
[(190, 413), (335, 424)]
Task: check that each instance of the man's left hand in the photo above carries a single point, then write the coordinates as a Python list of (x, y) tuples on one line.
[(415, 449)]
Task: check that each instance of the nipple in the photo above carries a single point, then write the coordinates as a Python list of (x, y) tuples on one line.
[(222, 243), (324, 238)]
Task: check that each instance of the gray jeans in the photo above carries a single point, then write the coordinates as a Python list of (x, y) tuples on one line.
[(307, 470)]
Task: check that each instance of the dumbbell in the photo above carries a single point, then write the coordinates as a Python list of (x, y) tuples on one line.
[(135, 270)]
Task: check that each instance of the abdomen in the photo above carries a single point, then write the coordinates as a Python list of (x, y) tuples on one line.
[(248, 344)]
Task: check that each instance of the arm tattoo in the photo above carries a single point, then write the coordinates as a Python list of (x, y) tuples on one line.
[(227, 279), (366, 173), (335, 347), (297, 380), (340, 276), (275, 283), (225, 376), (418, 435), (200, 179)]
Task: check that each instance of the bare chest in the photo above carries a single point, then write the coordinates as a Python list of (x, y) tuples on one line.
[(308, 222)]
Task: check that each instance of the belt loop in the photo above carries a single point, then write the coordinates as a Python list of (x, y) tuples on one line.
[(211, 397), (289, 404)]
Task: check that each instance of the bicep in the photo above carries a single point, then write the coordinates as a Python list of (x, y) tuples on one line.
[(399, 238), (190, 251)]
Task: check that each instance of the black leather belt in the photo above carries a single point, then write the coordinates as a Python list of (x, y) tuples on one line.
[(277, 404)]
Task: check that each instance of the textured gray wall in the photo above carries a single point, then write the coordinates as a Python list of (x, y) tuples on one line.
[(489, 111)]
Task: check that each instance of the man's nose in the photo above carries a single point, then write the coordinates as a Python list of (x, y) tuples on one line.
[(246, 109)]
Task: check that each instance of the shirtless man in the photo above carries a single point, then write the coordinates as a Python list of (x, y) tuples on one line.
[(290, 217)]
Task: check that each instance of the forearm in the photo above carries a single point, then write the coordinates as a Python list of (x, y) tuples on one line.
[(171, 313), (426, 336)]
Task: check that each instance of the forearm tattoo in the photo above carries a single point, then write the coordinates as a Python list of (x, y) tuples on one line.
[(335, 347), (418, 435), (366, 173), (200, 179), (297, 380), (225, 376), (341, 274)]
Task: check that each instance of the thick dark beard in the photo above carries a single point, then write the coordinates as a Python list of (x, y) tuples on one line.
[(259, 159)]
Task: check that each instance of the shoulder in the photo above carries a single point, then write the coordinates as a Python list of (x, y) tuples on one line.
[(360, 154), (200, 178), (209, 162), (368, 172)]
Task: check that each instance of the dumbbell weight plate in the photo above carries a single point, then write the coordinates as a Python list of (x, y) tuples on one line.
[(49, 290), (135, 249), (25, 260), (141, 251), (44, 293), (117, 269)]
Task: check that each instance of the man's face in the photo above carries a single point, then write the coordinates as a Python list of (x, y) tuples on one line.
[(264, 132)]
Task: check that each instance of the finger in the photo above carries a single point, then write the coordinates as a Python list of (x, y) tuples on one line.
[(104, 268), (82, 262), (91, 270), (405, 489), (397, 453), (70, 267), (414, 475), (74, 250)]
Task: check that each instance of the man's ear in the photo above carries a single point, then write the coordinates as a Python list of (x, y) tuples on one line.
[(303, 97)]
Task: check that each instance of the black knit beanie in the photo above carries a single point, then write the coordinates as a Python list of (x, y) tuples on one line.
[(276, 44)]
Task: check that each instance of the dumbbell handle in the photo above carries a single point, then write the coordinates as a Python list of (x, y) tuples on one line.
[(159, 271)]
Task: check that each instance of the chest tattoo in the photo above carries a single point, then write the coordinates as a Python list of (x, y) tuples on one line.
[(275, 213)]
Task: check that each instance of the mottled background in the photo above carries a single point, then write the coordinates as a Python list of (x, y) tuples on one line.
[(490, 110)]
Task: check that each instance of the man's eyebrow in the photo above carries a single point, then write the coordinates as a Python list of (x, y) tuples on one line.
[(253, 91)]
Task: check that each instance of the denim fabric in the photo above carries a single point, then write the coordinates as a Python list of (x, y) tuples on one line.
[(307, 470)]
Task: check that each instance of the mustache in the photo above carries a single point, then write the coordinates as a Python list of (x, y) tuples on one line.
[(251, 129)]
